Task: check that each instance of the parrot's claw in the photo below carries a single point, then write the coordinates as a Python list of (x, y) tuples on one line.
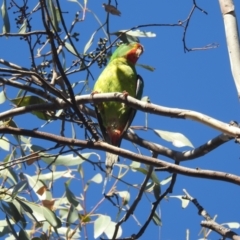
[(94, 92), (125, 93)]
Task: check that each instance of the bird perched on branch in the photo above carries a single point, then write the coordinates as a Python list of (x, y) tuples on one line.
[(119, 75)]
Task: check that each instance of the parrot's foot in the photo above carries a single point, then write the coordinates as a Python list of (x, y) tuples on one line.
[(125, 93), (94, 92)]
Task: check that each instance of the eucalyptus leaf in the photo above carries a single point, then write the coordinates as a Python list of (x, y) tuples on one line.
[(177, 139), (72, 215), (53, 13), (10, 209), (5, 17), (4, 143), (65, 160), (22, 185), (156, 219), (23, 235), (132, 36), (71, 197), (166, 180), (147, 67), (125, 195), (31, 100), (23, 28), (146, 99), (109, 231), (50, 217), (100, 225), (96, 179), (184, 201), (232, 225), (2, 97), (70, 48), (89, 43), (157, 190)]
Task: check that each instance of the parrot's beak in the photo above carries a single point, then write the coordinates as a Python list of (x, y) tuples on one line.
[(139, 50)]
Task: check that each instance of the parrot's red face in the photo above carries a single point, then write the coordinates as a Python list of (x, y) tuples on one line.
[(134, 53), (130, 51)]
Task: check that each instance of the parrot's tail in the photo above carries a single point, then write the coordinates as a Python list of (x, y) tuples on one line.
[(111, 159)]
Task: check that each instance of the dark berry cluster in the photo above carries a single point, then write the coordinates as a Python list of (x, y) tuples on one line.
[(100, 53)]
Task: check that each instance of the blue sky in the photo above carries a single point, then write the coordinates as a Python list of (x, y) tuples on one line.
[(198, 80)]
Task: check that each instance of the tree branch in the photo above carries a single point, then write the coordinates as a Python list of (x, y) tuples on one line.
[(162, 165), (209, 222), (231, 32)]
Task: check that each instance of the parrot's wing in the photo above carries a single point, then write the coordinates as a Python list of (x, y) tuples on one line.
[(139, 92), (132, 112), (103, 129)]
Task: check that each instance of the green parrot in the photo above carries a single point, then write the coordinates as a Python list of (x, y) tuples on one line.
[(119, 75)]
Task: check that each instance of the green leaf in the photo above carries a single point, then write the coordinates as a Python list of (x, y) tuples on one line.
[(146, 99), (177, 139), (65, 160), (149, 187), (70, 48), (100, 225), (125, 197), (134, 165), (52, 176), (11, 227), (23, 235), (72, 215), (22, 185), (147, 67), (25, 206), (23, 28), (109, 231), (50, 217), (4, 143), (12, 211), (37, 148), (154, 177), (27, 100), (69, 234), (157, 190), (232, 225), (11, 174), (6, 22), (156, 219), (126, 38), (35, 184), (54, 12), (142, 170), (89, 43), (97, 179), (31, 100), (2, 97), (76, 1), (5, 230), (139, 33), (17, 137), (39, 213), (184, 201), (166, 180), (20, 210), (132, 36), (71, 197)]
